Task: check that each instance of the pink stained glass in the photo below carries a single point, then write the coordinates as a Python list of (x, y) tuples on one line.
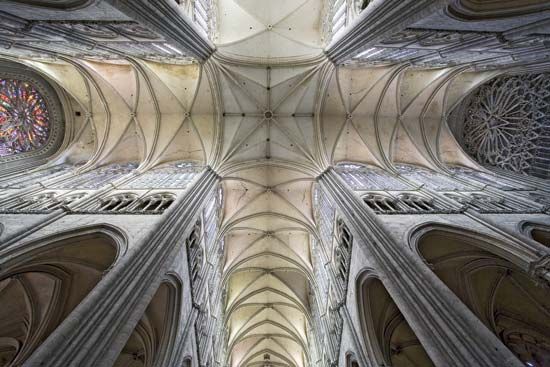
[(24, 118)]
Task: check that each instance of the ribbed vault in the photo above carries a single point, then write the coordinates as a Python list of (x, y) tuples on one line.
[(269, 113), (269, 77)]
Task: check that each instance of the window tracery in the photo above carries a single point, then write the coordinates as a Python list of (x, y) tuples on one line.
[(419, 204), (360, 177), (29, 179), (117, 203), (156, 203), (507, 124), (176, 176), (342, 252), (98, 177), (324, 215), (33, 203), (430, 179), (32, 125), (42, 202), (485, 203), (24, 117), (488, 179), (195, 252), (131, 203), (381, 203), (404, 203)]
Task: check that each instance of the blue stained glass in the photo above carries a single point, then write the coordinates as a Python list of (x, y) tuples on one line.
[(24, 118)]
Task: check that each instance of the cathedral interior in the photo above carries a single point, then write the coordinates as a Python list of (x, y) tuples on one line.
[(274, 183)]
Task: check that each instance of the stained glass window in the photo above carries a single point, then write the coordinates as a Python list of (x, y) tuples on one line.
[(24, 118)]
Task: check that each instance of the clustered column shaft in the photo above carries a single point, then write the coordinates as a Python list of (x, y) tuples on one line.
[(451, 334), (105, 319)]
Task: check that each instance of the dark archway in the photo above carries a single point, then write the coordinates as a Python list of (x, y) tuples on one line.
[(351, 361), (503, 296), (385, 329), (153, 339), (538, 232), (38, 294)]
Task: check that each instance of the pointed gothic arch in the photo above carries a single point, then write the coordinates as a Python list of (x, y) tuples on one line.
[(387, 334), (153, 339), (537, 231), (502, 295), (351, 360), (43, 288)]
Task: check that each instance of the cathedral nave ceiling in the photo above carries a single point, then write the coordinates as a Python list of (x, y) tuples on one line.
[(269, 113)]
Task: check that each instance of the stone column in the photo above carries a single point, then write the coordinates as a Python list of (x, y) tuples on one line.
[(451, 334), (381, 19), (97, 329)]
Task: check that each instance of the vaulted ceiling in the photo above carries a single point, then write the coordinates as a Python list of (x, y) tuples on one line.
[(269, 113)]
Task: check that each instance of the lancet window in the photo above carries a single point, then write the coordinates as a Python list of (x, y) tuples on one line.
[(335, 328), (342, 252), (320, 272), (381, 203), (208, 296), (360, 177), (29, 179), (211, 218), (117, 203), (417, 203), (324, 215), (404, 203), (176, 176), (488, 179), (195, 252), (156, 203), (42, 201), (45, 201), (98, 177), (484, 203), (430, 179)]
